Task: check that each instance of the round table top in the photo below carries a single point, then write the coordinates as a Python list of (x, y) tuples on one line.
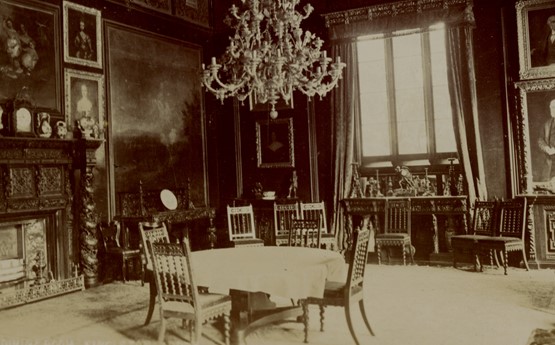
[(291, 272)]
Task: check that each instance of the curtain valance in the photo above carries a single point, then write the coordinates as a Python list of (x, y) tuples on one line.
[(396, 16)]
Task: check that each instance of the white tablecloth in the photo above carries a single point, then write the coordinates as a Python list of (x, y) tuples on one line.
[(290, 272)]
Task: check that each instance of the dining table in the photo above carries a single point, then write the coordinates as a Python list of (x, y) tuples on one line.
[(254, 276)]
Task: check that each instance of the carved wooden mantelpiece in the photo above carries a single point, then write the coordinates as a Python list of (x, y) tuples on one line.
[(37, 181), (35, 174)]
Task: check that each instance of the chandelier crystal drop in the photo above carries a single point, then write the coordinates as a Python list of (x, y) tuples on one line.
[(270, 56)]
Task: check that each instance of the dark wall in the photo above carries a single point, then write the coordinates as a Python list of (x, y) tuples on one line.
[(496, 62), (495, 24)]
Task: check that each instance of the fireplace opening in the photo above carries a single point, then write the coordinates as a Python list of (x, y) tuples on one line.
[(23, 252), (12, 267)]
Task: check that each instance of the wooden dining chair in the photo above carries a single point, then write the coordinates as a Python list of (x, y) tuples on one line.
[(317, 210), (344, 294), (305, 233), (178, 294), (397, 229), (511, 232), (484, 224), (115, 252), (284, 214), (241, 226), (156, 232)]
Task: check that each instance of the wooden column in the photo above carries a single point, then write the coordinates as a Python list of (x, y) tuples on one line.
[(88, 218)]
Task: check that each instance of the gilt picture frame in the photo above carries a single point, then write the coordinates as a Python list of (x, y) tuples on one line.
[(536, 173), (82, 35), (275, 143), (84, 88), (534, 38), (33, 59)]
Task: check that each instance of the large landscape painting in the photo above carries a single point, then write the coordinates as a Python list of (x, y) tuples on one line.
[(156, 118)]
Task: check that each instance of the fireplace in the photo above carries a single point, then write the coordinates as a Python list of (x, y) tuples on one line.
[(24, 255), (12, 262), (40, 249)]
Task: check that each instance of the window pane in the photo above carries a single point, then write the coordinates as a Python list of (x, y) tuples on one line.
[(411, 122), (407, 61), (397, 75), (443, 115), (443, 119), (370, 50), (375, 124), (438, 58), (409, 94), (373, 98)]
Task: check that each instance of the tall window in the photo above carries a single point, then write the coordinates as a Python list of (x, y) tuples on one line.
[(404, 97)]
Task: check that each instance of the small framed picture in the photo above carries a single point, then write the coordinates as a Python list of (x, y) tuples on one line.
[(274, 143), (84, 103), (82, 35), (536, 38)]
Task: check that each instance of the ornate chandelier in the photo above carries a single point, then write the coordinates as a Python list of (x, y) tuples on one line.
[(269, 56)]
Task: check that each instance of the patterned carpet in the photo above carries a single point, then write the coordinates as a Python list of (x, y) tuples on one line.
[(407, 305)]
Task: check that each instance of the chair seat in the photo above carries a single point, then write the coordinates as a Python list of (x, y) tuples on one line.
[(469, 241), (249, 242), (282, 240), (207, 301), (337, 290), (469, 237), (122, 251), (392, 236), (500, 240)]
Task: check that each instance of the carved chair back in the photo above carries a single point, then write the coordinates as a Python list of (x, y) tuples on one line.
[(240, 222), (173, 273), (513, 218), (110, 235), (357, 266), (284, 215), (485, 218), (317, 211), (397, 216), (305, 233), (152, 232)]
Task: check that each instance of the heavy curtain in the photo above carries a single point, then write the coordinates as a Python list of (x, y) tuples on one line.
[(462, 88), (346, 111), (344, 28)]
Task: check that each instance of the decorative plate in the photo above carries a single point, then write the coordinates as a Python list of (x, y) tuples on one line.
[(168, 199)]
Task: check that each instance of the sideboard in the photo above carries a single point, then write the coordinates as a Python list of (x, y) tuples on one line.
[(434, 220)]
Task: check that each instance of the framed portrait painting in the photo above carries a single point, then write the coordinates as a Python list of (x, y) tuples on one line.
[(29, 57), (84, 97), (82, 35), (536, 44), (156, 113), (274, 143), (535, 137)]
